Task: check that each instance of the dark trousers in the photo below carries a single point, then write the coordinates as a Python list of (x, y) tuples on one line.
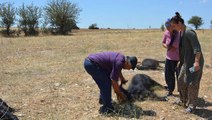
[(170, 70), (102, 79)]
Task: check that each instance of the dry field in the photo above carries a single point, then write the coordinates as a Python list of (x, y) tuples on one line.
[(44, 79)]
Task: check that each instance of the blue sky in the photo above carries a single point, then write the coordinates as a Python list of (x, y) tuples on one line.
[(138, 14)]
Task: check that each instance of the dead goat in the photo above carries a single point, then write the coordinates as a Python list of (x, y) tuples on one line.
[(149, 64), (142, 86)]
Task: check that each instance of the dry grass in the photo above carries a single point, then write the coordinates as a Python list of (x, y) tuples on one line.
[(44, 77)]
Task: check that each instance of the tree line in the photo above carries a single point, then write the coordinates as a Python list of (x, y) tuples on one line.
[(195, 21), (57, 17)]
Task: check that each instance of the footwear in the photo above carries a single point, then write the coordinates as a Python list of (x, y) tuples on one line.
[(106, 110), (165, 98), (169, 93), (189, 110), (166, 87), (101, 102)]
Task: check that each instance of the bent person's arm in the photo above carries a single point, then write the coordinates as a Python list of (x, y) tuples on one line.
[(120, 96), (196, 62), (115, 86), (123, 80), (196, 48)]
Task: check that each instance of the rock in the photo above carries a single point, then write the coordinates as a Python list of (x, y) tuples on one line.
[(57, 84), (163, 118), (63, 89), (205, 96), (20, 115)]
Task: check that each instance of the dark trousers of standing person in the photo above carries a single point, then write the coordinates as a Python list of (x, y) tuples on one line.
[(102, 79), (170, 70)]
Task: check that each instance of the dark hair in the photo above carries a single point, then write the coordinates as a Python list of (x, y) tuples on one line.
[(177, 18), (132, 60)]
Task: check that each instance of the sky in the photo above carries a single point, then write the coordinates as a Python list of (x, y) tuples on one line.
[(130, 14)]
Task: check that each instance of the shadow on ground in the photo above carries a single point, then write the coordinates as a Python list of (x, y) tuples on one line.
[(130, 110), (202, 111), (202, 103)]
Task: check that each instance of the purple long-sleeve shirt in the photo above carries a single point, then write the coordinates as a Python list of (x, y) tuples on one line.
[(172, 54), (111, 62)]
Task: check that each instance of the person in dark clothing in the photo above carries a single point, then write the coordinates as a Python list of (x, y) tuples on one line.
[(105, 68), (191, 64), (170, 41)]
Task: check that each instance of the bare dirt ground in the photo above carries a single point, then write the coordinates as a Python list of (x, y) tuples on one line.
[(43, 77)]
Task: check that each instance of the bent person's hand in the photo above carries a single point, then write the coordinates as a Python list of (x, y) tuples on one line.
[(121, 97), (124, 82), (196, 66)]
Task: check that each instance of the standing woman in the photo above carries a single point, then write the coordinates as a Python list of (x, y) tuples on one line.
[(170, 41), (191, 64)]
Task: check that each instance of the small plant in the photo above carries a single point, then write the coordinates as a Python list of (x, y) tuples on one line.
[(162, 27)]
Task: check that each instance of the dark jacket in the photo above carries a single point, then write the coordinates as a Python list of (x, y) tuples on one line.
[(189, 46)]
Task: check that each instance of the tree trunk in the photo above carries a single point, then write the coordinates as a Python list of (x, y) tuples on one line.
[(8, 30), (196, 27)]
